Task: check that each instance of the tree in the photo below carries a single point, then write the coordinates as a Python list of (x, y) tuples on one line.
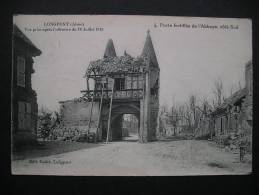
[(174, 118), (218, 92), (161, 127), (55, 123), (188, 115), (193, 107)]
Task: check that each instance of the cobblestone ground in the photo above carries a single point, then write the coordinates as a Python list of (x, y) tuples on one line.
[(128, 157)]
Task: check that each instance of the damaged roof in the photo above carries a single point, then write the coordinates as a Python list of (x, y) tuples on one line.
[(111, 63), (118, 64), (232, 100)]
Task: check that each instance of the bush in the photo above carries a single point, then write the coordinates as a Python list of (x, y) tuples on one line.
[(44, 124)]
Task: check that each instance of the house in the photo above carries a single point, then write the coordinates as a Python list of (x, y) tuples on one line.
[(234, 116), (227, 116), (122, 85), (23, 98), (248, 103)]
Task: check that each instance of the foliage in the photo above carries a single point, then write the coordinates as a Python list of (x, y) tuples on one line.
[(218, 92), (44, 123), (188, 117)]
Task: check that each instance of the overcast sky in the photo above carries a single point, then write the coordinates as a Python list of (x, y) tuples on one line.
[(190, 59)]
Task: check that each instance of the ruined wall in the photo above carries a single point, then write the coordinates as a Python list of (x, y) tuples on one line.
[(153, 104), (248, 103), (77, 115)]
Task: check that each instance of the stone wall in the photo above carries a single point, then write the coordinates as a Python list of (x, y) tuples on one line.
[(153, 104), (77, 115), (154, 109)]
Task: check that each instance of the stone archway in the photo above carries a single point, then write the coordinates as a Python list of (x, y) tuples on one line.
[(117, 126), (118, 110)]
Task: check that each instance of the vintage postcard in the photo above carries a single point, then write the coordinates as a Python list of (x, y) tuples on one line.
[(116, 95)]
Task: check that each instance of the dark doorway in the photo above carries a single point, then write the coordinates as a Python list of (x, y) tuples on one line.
[(130, 127)]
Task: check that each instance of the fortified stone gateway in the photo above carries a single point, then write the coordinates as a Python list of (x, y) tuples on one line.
[(122, 85)]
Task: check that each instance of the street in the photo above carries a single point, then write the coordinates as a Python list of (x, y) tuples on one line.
[(130, 158)]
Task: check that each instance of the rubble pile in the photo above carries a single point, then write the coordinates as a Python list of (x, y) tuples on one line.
[(63, 133), (235, 141), (121, 64)]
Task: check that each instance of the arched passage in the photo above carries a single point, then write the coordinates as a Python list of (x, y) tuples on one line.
[(122, 126), (119, 110), (130, 127)]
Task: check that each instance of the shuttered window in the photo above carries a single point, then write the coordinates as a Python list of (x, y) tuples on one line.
[(119, 83), (20, 71), (28, 116), (24, 115)]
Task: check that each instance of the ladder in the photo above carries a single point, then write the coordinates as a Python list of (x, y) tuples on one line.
[(110, 110), (91, 112), (100, 110)]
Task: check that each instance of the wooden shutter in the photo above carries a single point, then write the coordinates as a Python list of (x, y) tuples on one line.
[(28, 116), (134, 82), (128, 82), (24, 115), (21, 115), (20, 71)]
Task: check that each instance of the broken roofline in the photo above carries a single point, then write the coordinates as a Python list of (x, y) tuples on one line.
[(118, 65), (231, 101), (113, 64), (114, 74)]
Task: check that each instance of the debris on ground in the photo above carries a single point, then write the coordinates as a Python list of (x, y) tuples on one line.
[(216, 164)]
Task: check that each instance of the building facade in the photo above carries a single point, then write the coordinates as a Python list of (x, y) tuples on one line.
[(24, 98), (121, 85)]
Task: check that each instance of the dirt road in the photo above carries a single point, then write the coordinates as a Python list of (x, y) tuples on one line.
[(180, 157)]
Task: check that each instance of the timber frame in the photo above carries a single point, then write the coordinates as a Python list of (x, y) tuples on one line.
[(139, 94)]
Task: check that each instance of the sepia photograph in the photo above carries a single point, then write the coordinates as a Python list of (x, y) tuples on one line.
[(131, 95)]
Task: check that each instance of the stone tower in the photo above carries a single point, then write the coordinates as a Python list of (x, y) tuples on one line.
[(151, 99)]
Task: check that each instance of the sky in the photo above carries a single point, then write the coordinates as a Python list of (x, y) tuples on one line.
[(190, 59)]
